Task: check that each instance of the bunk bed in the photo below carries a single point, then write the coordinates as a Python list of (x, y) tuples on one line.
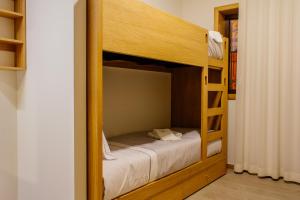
[(137, 36)]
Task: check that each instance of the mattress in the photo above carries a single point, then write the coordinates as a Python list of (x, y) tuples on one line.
[(141, 159)]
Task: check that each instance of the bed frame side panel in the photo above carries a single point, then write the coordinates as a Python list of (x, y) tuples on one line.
[(182, 183), (134, 28), (186, 97)]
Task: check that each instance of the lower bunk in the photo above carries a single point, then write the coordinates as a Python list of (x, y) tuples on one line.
[(139, 161)]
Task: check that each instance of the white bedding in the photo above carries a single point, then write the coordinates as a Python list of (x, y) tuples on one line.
[(141, 159), (215, 42), (130, 170)]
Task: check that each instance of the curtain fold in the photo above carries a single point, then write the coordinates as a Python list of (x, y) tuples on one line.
[(268, 89)]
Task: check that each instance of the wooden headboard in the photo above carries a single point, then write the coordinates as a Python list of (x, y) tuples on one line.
[(134, 28)]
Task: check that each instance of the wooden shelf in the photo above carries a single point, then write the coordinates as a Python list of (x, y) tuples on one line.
[(16, 42), (12, 68), (10, 41), (10, 14)]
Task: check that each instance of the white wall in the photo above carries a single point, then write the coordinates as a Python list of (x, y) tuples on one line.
[(8, 114), (171, 6), (201, 12), (8, 135), (46, 103), (38, 141)]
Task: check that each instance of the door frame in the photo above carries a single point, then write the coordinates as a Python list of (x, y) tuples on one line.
[(220, 14)]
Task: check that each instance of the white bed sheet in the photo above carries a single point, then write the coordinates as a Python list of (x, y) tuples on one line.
[(130, 170), (141, 159)]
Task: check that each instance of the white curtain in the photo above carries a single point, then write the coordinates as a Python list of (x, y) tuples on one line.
[(268, 91)]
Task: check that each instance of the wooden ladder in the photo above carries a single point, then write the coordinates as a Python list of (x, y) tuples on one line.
[(214, 122)]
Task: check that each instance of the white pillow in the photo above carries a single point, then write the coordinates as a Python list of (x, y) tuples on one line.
[(107, 155)]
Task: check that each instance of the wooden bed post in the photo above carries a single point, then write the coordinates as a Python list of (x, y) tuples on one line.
[(224, 100), (204, 107), (94, 101)]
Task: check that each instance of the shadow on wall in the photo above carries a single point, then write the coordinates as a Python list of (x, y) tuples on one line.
[(8, 135), (8, 87), (8, 184)]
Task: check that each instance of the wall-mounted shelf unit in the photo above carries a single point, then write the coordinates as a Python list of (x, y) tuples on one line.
[(17, 44), (10, 14)]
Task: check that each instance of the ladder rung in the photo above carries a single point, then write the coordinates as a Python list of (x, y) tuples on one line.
[(216, 87), (10, 14), (215, 62), (10, 41), (214, 111), (215, 135), (215, 68)]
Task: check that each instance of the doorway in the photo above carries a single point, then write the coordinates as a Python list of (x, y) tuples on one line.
[(226, 22)]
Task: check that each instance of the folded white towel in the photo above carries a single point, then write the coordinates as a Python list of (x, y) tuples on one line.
[(216, 36), (215, 41), (165, 134)]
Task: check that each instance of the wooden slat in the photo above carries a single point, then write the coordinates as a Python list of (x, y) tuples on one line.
[(7, 47), (217, 122), (213, 62), (213, 67), (134, 28), (224, 122), (216, 87), (133, 65), (215, 111), (216, 101), (231, 96), (10, 41), (204, 107), (212, 136), (11, 68), (10, 14)]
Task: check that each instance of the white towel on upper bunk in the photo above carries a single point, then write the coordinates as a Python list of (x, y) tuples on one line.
[(216, 36), (165, 134), (215, 41)]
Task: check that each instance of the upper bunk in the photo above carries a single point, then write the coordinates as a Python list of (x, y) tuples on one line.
[(133, 28)]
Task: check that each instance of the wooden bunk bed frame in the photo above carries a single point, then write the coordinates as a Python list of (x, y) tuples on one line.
[(133, 29)]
